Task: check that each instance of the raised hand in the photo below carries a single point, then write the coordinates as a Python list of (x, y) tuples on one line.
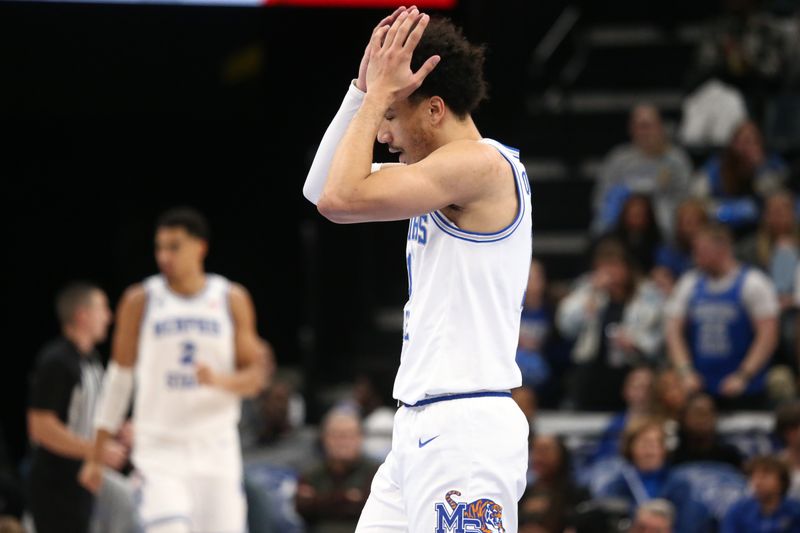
[(389, 72), (361, 81)]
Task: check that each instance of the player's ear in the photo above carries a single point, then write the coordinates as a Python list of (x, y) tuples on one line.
[(436, 110)]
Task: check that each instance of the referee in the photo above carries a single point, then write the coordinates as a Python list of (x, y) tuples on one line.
[(64, 392)]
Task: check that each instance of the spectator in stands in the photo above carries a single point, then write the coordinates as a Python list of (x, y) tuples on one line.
[(655, 516), (370, 400), (645, 476), (615, 318), (331, 493), (768, 510), (775, 247), (649, 165), (527, 401), (674, 259), (638, 394), (669, 395), (722, 324), (787, 431), (698, 438), (737, 180), (548, 502), (637, 229), (535, 331), (272, 426)]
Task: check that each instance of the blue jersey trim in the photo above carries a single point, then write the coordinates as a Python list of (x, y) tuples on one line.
[(473, 236), (461, 396)]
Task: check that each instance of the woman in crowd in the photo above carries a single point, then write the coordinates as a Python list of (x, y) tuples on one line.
[(742, 175)]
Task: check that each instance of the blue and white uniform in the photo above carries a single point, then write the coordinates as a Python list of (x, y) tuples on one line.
[(186, 450), (459, 445)]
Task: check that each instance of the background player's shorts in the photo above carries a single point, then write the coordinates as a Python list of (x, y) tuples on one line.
[(185, 487), (456, 465)]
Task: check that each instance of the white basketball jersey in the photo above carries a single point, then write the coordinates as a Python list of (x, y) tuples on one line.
[(178, 332), (461, 322)]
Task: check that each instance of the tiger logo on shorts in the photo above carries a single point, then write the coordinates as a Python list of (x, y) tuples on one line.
[(485, 514)]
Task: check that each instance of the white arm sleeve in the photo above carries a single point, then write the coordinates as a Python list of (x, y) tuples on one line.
[(115, 398), (315, 181)]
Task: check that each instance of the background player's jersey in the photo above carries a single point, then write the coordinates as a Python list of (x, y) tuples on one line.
[(176, 334), (461, 322)]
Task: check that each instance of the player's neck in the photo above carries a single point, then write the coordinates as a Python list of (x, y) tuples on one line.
[(81, 339), (189, 285), (458, 130)]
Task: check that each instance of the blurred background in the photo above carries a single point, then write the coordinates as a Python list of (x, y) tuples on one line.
[(113, 113)]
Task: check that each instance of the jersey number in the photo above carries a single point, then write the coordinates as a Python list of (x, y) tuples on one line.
[(188, 350)]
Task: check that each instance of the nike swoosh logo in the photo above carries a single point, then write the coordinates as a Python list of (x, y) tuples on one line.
[(425, 443)]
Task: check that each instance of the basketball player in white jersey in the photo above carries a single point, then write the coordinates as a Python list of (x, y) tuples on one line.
[(459, 445), (188, 341)]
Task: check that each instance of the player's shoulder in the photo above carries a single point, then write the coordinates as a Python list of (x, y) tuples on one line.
[(134, 299), (238, 292)]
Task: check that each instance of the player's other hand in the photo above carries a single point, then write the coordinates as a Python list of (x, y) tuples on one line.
[(361, 81), (91, 476), (115, 455), (205, 376)]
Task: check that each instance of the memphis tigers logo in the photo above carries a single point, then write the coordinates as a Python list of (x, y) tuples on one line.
[(480, 516)]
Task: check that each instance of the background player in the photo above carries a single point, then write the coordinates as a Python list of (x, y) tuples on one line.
[(459, 446), (190, 339)]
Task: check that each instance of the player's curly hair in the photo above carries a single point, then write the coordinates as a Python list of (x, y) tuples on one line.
[(458, 78)]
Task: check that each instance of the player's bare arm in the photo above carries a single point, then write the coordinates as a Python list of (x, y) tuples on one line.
[(252, 353), (455, 174), (118, 376)]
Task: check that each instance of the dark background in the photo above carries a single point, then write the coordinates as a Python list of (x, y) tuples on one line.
[(111, 114)]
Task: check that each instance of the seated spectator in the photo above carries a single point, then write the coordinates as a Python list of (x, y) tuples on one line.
[(787, 431), (655, 516), (697, 436), (615, 318), (722, 324), (768, 510), (637, 230), (332, 493), (371, 399), (674, 259), (638, 394), (735, 180), (669, 396), (644, 477), (649, 165), (272, 427), (548, 502), (535, 331), (527, 402), (775, 247)]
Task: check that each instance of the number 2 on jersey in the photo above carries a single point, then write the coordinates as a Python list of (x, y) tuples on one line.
[(187, 353)]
